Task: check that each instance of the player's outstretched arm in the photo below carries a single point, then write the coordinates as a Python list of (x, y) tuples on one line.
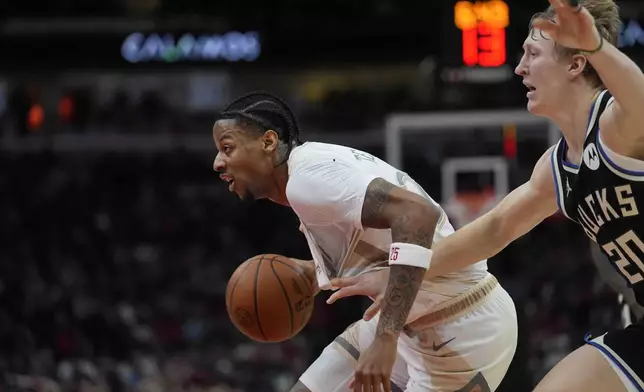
[(412, 221), (518, 213)]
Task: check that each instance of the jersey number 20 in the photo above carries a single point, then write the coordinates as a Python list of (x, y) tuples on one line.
[(622, 254)]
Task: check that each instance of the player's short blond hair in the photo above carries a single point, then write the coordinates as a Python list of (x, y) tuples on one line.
[(607, 21)]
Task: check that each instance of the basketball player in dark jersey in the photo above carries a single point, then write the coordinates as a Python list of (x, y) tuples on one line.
[(629, 307), (578, 79)]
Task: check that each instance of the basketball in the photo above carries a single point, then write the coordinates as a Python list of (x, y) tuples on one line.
[(269, 298)]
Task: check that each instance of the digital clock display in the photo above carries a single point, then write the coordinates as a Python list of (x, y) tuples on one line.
[(483, 28)]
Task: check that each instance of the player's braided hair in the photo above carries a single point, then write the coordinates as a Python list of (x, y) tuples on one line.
[(265, 111)]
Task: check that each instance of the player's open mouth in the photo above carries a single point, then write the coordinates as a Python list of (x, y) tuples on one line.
[(531, 89), (229, 179)]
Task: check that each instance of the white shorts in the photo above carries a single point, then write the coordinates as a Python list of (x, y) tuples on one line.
[(474, 349)]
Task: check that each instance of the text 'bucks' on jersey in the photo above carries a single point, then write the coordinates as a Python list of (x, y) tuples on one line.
[(604, 197)]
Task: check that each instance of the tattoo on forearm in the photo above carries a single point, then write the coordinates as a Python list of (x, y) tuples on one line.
[(402, 288), (406, 226)]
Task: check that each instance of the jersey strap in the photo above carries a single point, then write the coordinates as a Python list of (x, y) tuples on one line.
[(596, 110), (634, 173), (556, 156)]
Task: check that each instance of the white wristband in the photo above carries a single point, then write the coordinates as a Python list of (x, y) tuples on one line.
[(402, 253)]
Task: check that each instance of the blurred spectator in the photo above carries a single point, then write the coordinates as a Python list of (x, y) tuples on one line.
[(115, 267)]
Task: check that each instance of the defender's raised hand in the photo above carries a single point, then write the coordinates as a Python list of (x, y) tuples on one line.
[(372, 284), (573, 27)]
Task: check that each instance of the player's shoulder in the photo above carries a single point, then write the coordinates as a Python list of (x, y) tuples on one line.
[(551, 150), (545, 162), (547, 156), (308, 163), (317, 148), (542, 178), (312, 156), (321, 172)]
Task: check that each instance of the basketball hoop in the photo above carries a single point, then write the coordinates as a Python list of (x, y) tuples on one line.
[(467, 206)]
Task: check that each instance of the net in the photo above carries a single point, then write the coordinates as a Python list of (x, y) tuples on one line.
[(462, 158), (465, 207)]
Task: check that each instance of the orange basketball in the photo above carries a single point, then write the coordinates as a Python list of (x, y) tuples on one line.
[(269, 298)]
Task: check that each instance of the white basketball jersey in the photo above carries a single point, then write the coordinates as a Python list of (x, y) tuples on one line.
[(326, 188)]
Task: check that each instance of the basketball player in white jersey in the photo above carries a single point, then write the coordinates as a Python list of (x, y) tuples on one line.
[(578, 79), (360, 214)]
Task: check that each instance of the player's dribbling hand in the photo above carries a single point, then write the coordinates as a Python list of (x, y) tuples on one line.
[(308, 266), (573, 27), (373, 372), (371, 284)]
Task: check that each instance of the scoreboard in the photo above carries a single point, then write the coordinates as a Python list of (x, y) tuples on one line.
[(482, 25), (488, 34), (477, 44)]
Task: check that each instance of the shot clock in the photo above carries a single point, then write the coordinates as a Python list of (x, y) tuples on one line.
[(483, 32)]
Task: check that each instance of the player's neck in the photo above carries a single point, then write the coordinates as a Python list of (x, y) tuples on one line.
[(572, 115), (280, 179)]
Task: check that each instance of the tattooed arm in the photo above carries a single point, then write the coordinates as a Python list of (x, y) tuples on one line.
[(337, 190), (412, 220)]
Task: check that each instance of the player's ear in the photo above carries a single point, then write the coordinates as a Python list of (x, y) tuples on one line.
[(270, 140), (577, 65)]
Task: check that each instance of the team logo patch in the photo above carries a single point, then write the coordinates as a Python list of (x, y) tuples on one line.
[(591, 157)]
